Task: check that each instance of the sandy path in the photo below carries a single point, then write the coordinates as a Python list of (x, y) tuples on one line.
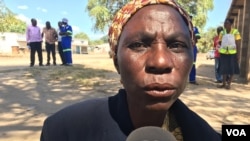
[(27, 99)]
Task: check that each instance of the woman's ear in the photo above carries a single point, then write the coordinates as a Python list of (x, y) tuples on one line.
[(116, 63)]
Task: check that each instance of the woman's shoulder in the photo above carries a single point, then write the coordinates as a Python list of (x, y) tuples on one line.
[(80, 110), (86, 120)]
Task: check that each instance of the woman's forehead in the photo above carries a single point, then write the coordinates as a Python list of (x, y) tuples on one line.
[(155, 13), (126, 12), (156, 18)]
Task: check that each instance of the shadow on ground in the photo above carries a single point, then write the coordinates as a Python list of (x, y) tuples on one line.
[(27, 94), (218, 106)]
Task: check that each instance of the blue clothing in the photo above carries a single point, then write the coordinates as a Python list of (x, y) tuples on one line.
[(192, 75), (218, 76), (108, 119), (196, 34), (195, 51), (66, 44), (196, 31)]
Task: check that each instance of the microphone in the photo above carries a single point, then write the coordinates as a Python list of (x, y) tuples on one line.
[(150, 133)]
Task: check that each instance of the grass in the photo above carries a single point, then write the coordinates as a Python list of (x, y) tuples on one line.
[(77, 74)]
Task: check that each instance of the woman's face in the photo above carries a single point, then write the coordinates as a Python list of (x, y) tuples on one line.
[(227, 25), (154, 57)]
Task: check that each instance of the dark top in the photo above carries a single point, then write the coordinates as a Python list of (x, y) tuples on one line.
[(107, 119)]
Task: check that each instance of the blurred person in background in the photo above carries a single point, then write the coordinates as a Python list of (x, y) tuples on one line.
[(59, 43), (50, 39), (229, 53), (216, 46), (66, 33), (192, 75), (34, 41)]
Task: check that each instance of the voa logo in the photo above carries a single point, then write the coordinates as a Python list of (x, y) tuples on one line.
[(236, 132)]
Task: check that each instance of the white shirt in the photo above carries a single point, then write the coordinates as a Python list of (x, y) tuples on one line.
[(59, 36)]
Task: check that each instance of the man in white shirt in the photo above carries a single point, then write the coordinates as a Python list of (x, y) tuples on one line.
[(59, 43)]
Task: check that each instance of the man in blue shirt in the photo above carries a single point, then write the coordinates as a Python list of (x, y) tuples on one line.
[(192, 75), (66, 33)]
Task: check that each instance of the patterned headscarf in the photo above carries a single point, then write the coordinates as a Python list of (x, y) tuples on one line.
[(127, 11)]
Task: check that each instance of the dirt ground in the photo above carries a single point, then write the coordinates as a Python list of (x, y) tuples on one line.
[(29, 95)]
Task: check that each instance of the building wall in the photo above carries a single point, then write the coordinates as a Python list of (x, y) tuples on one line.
[(240, 12), (11, 43), (8, 41)]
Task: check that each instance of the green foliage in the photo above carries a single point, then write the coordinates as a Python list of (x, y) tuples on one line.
[(206, 42), (102, 11), (99, 12), (8, 21), (105, 38), (81, 35), (84, 36), (198, 9), (96, 42), (101, 15)]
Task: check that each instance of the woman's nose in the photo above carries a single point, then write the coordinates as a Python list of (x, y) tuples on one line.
[(160, 59)]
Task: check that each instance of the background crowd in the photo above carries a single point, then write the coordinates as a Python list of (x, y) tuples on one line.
[(63, 37)]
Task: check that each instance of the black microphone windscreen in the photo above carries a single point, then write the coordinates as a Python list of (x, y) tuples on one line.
[(150, 133)]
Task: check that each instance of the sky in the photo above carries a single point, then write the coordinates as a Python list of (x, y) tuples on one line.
[(75, 12), (217, 16)]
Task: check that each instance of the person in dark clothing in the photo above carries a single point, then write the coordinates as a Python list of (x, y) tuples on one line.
[(59, 43), (229, 53), (192, 75), (34, 41), (153, 53), (66, 33)]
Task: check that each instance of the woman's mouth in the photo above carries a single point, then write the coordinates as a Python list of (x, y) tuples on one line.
[(160, 90)]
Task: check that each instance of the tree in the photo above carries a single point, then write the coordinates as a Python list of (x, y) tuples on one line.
[(105, 39), (84, 36), (198, 9), (81, 35), (206, 42), (96, 42), (102, 11), (100, 41), (99, 12), (8, 21)]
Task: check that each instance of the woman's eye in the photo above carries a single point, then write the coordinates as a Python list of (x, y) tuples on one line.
[(137, 45), (177, 46)]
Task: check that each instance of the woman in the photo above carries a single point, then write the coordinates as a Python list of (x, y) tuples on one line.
[(216, 41), (152, 45), (229, 53)]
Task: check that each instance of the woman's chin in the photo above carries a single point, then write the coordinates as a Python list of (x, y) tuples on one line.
[(159, 106)]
